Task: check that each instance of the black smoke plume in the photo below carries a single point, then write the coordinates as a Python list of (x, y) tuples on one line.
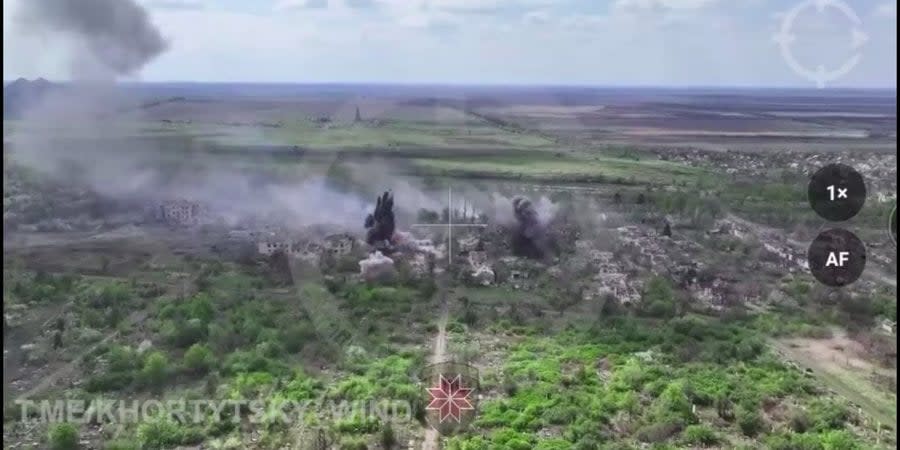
[(380, 225), (117, 36), (529, 237)]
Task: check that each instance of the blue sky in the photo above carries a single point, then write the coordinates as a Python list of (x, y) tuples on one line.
[(586, 42)]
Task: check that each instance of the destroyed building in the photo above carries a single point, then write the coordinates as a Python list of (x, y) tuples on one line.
[(179, 213), (335, 246), (479, 268), (271, 245), (339, 245)]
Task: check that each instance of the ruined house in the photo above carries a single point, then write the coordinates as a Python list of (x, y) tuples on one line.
[(179, 213), (480, 271), (421, 265), (518, 273), (271, 245), (338, 245), (469, 244)]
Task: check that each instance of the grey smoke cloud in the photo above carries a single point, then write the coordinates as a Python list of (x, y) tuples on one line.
[(108, 37)]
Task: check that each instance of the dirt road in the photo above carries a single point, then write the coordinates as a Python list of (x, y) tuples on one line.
[(438, 355), (835, 362)]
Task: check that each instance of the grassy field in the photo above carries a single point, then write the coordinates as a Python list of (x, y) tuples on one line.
[(598, 169), (830, 364), (305, 133), (403, 135)]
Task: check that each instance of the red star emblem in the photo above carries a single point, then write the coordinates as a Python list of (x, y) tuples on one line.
[(450, 398)]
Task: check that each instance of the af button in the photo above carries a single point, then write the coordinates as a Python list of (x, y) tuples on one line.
[(837, 258), (837, 192)]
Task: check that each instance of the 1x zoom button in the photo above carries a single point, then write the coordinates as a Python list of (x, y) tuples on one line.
[(837, 192)]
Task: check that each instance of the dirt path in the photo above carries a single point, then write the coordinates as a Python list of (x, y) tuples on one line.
[(134, 320), (438, 355), (835, 362)]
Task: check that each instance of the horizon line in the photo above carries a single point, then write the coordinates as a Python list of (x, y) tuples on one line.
[(809, 87)]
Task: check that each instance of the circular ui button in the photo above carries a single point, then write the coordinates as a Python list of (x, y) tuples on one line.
[(837, 192), (837, 258)]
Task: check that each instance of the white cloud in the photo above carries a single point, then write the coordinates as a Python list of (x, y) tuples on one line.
[(886, 10), (668, 42), (288, 5), (536, 17), (174, 4), (645, 5)]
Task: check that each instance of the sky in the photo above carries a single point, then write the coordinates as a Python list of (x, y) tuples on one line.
[(514, 42)]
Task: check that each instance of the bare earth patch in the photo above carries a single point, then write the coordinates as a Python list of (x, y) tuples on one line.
[(840, 362)]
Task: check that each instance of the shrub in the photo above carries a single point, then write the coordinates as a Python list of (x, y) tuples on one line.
[(828, 415), (200, 307), (109, 382), (106, 295), (63, 436), (470, 317), (789, 441), (354, 444), (122, 359), (673, 405), (839, 439), (658, 298), (388, 438), (295, 337), (155, 370), (198, 359), (159, 434), (724, 407), (245, 361), (120, 444), (510, 387), (658, 432), (456, 327), (700, 435), (800, 421), (750, 421), (182, 333)]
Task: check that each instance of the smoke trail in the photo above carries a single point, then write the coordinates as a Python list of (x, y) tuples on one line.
[(110, 37)]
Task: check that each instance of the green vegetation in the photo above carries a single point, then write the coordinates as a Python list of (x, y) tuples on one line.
[(660, 375), (198, 359), (162, 433), (398, 135), (39, 287), (63, 436), (246, 341), (688, 381), (155, 370), (599, 169)]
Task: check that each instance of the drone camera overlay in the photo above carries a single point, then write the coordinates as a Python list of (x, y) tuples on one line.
[(449, 224)]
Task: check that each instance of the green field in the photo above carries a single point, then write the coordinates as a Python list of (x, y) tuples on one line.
[(598, 169)]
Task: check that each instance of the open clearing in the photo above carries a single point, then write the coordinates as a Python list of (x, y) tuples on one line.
[(837, 362)]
